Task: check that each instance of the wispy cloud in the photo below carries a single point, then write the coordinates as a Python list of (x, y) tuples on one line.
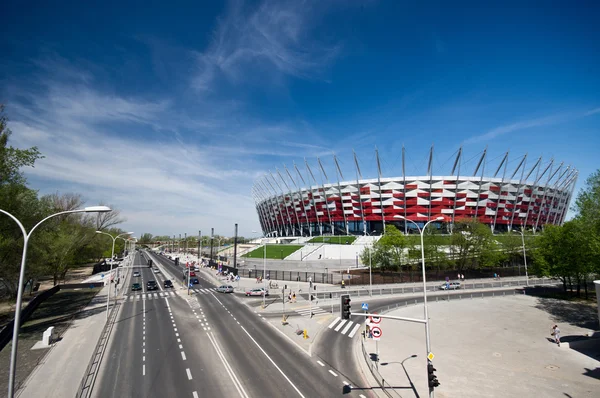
[(532, 123), (273, 37)]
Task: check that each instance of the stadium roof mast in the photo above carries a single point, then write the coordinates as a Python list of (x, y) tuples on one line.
[(380, 196), (310, 197), (534, 190), (326, 197), (536, 167), (481, 163), (270, 216), (523, 163), (429, 173), (573, 182), (543, 203), (258, 209), (456, 163), (505, 163), (298, 223), (313, 197), (561, 185), (301, 199), (559, 181), (339, 174), (274, 205), (362, 213), (284, 204)]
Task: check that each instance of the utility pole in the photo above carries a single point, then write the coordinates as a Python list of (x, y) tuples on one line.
[(235, 240)]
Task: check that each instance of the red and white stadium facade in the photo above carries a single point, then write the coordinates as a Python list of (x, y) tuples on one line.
[(538, 196)]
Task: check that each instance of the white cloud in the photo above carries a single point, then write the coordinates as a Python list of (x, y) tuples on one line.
[(274, 35)]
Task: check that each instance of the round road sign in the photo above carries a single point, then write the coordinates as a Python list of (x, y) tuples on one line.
[(375, 319), (376, 332)]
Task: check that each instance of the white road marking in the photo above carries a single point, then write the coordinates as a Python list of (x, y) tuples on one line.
[(362, 396), (143, 370), (273, 362), (353, 332), (320, 363), (176, 334), (348, 326), (180, 346), (143, 358), (334, 322), (179, 340), (333, 373), (175, 329), (183, 355), (345, 383), (195, 394), (338, 327), (189, 374), (232, 375)]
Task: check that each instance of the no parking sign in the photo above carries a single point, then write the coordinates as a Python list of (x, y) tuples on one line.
[(376, 332)]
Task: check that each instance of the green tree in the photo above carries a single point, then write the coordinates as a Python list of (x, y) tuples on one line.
[(472, 245), (145, 238)]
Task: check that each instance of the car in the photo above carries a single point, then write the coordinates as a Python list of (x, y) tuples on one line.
[(168, 283), (192, 273), (151, 285), (194, 281), (135, 287), (196, 268), (155, 270), (450, 286), (136, 274), (225, 289), (257, 292)]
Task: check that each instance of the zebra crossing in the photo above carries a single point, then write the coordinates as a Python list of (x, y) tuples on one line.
[(316, 311), (344, 326), (204, 291), (165, 294)]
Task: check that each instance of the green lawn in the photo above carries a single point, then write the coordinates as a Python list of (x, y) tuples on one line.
[(334, 240), (273, 251)]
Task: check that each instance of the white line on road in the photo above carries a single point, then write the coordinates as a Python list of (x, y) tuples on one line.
[(232, 375), (320, 363), (143, 358), (350, 323), (195, 394), (362, 396), (353, 332), (143, 370), (334, 322), (273, 362), (189, 374), (183, 355), (345, 383), (179, 340), (333, 373), (338, 327), (180, 346)]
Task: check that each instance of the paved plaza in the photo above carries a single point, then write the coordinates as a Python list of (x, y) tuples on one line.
[(493, 347)]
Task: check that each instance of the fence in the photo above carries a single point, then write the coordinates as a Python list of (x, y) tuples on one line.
[(281, 275)]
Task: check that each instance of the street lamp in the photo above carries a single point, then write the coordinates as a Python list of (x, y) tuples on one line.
[(524, 256), (264, 268), (111, 263), (427, 338), (17, 320), (371, 267)]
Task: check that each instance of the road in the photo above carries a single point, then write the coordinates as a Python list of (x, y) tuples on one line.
[(166, 343)]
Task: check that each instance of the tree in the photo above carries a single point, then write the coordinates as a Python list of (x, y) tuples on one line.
[(388, 252), (145, 238), (472, 245)]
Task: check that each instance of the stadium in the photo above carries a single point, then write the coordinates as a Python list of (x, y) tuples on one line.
[(519, 198)]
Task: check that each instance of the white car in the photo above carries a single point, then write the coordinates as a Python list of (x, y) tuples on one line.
[(136, 274), (450, 286)]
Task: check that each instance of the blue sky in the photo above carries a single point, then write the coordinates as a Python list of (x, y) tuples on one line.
[(170, 110)]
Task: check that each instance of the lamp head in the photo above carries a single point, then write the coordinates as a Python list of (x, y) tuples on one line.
[(97, 209), (99, 232), (439, 218)]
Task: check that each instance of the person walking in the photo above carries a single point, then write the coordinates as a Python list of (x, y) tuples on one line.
[(556, 334)]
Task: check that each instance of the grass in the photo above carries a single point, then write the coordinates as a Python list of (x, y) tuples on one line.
[(274, 251), (334, 240)]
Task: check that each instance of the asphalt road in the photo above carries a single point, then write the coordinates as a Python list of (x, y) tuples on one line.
[(206, 344)]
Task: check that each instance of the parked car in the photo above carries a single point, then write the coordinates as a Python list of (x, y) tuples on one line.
[(136, 274), (192, 273), (450, 286), (151, 285), (136, 286), (168, 283), (225, 289), (194, 281), (257, 292)]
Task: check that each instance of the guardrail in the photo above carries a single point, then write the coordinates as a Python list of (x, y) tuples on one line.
[(374, 370)]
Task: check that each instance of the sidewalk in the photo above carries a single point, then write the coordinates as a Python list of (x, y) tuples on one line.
[(61, 371)]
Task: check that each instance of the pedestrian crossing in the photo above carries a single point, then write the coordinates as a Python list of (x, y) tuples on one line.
[(165, 294), (316, 311), (344, 326)]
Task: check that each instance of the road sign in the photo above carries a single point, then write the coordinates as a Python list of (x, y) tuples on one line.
[(101, 275), (376, 332), (430, 356), (365, 306), (375, 319)]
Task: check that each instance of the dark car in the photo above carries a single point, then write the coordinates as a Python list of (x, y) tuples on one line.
[(168, 283), (135, 286), (194, 281), (151, 285)]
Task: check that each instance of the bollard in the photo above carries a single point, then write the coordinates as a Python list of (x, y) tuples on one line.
[(305, 334)]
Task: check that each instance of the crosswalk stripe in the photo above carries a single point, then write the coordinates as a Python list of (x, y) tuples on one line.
[(348, 326), (353, 332), (334, 322), (131, 298), (155, 295), (172, 294), (338, 327), (144, 296)]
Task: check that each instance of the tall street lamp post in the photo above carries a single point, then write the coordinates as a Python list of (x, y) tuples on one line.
[(17, 320), (524, 256), (114, 239), (427, 338)]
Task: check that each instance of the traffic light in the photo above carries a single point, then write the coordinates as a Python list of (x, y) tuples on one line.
[(433, 381), (345, 306)]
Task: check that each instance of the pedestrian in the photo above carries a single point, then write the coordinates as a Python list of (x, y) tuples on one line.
[(294, 297), (556, 334), (458, 276), (495, 275)]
